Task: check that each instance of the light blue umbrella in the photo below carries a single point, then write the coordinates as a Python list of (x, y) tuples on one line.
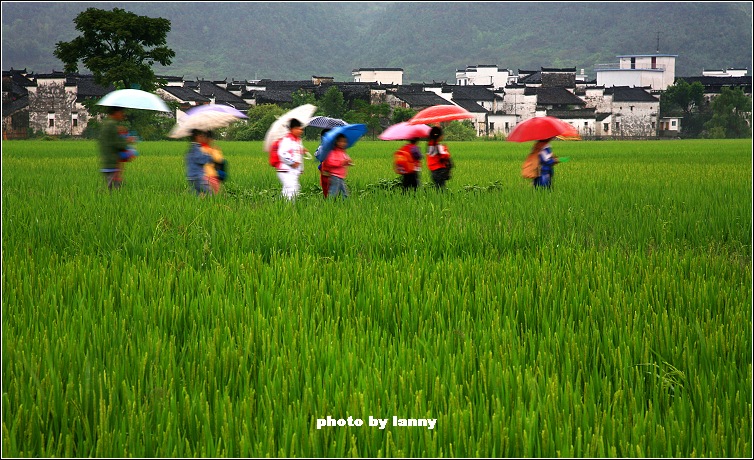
[(352, 132), (134, 99)]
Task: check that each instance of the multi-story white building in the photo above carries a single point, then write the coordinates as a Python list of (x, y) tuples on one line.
[(487, 75), (656, 71)]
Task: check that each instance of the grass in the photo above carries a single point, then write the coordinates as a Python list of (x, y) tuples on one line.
[(610, 317)]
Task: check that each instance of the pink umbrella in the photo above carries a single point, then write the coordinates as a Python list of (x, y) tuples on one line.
[(404, 131)]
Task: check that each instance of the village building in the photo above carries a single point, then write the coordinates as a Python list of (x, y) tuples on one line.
[(622, 102)]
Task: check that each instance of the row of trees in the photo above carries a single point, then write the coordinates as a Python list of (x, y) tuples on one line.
[(728, 115)]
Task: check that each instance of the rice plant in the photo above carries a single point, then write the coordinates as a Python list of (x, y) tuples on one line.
[(608, 317)]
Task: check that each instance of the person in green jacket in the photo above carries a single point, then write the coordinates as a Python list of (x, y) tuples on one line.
[(111, 144)]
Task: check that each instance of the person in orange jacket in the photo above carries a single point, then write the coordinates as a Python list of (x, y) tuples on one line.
[(408, 163), (438, 158)]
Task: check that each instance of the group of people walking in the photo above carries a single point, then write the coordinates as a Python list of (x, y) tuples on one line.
[(205, 164)]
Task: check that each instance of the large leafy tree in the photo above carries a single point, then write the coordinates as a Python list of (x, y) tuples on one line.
[(682, 95), (118, 46), (731, 115), (332, 103)]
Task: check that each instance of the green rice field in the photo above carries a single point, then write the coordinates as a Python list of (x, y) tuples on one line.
[(608, 317)]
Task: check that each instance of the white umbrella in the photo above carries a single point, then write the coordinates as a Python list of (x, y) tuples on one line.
[(203, 121), (134, 99), (279, 127)]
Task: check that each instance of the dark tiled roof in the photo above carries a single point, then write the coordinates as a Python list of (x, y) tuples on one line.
[(557, 96), (221, 95), (88, 88), (626, 94), (421, 100), (601, 116), (718, 81), (470, 105), (473, 92), (9, 108), (17, 76), (533, 78), (185, 94), (273, 96)]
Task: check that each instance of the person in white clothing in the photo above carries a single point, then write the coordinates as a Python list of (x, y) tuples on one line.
[(291, 153)]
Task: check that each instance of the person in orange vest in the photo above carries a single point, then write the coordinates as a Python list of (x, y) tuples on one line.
[(438, 158), (408, 163)]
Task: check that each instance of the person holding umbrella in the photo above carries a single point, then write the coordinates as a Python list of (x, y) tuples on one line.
[(547, 162), (408, 163), (438, 158), (291, 153), (196, 160), (212, 169), (111, 144), (336, 164), (324, 176)]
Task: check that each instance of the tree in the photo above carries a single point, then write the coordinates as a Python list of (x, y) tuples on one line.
[(683, 96), (402, 114), (117, 46), (731, 115), (371, 115), (301, 97), (460, 131), (260, 118), (332, 103)]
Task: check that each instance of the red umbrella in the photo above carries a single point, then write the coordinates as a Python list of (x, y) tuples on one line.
[(403, 131), (440, 113), (541, 128)]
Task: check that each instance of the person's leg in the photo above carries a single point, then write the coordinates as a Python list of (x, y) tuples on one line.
[(325, 182), (288, 182), (334, 187)]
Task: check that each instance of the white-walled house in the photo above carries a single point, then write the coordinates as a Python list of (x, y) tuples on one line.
[(382, 75), (486, 75), (729, 72), (656, 71)]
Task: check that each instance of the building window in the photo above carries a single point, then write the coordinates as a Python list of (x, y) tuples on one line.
[(617, 126), (631, 108), (653, 125), (586, 124), (606, 127), (74, 119), (654, 62), (633, 62), (672, 123), (51, 119), (507, 127), (492, 126)]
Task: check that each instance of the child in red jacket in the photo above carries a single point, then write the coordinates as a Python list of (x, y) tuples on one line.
[(336, 164)]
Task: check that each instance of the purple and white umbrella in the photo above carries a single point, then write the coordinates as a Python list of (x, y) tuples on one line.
[(216, 107)]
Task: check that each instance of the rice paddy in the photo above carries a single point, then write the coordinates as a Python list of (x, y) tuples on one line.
[(608, 317)]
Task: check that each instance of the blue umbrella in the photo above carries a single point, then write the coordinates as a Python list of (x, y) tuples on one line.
[(352, 132)]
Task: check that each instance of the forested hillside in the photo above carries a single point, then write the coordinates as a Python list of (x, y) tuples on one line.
[(295, 40)]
